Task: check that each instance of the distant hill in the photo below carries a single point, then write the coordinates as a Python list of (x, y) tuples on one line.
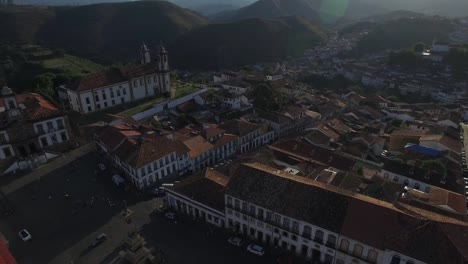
[(394, 15), (245, 42), (211, 9), (101, 32), (403, 33), (330, 12), (318, 11)]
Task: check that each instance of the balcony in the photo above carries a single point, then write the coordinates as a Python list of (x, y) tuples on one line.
[(331, 244), (318, 239)]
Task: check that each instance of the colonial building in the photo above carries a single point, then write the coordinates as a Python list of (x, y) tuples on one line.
[(288, 121), (201, 196), (117, 86), (250, 136), (145, 159), (318, 221), (330, 225), (30, 125)]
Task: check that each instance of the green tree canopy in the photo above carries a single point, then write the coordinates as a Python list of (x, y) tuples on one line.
[(419, 47)]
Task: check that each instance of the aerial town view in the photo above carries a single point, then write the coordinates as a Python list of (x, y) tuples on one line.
[(233, 131)]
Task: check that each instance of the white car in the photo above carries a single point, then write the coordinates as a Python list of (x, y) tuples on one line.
[(256, 249), (102, 166), (170, 216), (25, 235), (236, 241), (118, 180)]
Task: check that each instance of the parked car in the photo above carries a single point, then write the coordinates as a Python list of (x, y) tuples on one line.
[(25, 235), (170, 215), (158, 192), (236, 241), (98, 240), (256, 249), (118, 180)]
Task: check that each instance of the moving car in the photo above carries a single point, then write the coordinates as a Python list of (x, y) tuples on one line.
[(170, 215), (25, 235), (236, 241), (98, 240), (256, 249)]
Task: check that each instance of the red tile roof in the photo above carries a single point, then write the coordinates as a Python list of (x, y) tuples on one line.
[(225, 139), (36, 107), (197, 145), (206, 187), (111, 76), (412, 231), (312, 153), (5, 255), (145, 150), (111, 137)]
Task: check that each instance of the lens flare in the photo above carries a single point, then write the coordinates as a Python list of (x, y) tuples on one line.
[(332, 10)]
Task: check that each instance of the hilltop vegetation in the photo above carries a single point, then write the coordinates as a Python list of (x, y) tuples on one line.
[(100, 32), (245, 42), (39, 69), (403, 33), (113, 33)]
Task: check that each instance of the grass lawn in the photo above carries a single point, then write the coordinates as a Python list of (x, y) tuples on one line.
[(72, 64), (183, 89), (142, 106)]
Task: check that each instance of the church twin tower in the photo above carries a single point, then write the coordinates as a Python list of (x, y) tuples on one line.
[(162, 59)]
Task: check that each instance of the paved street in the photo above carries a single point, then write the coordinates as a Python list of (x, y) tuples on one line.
[(59, 211)]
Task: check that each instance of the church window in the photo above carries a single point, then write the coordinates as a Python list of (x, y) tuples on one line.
[(7, 152)]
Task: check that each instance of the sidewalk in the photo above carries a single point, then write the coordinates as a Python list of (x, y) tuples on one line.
[(48, 167)]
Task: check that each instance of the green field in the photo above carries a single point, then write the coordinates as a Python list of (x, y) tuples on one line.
[(183, 89), (71, 64), (141, 107)]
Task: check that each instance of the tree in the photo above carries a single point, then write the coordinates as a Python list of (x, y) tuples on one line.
[(44, 83), (419, 47)]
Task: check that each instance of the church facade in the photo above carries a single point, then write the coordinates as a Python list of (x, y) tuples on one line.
[(118, 86)]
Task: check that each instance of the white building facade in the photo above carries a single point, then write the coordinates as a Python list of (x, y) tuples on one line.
[(120, 86)]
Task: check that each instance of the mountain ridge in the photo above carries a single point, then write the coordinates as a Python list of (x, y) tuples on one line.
[(94, 30), (245, 42)]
